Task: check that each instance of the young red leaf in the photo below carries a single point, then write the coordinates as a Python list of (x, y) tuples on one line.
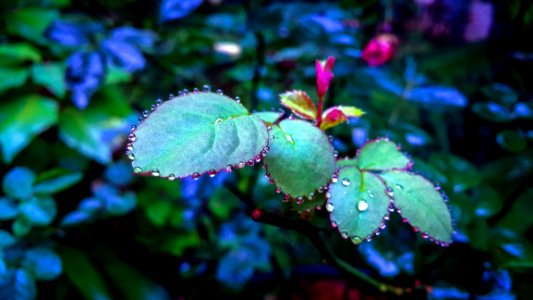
[(324, 75), (335, 115), (299, 103)]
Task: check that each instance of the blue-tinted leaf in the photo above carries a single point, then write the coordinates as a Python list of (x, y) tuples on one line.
[(124, 55), (115, 203), (55, 181), (6, 240), (177, 9), (17, 285), (236, 268), (8, 209), (18, 183), (76, 217), (438, 95), (386, 267), (85, 72), (68, 33), (39, 211), (143, 39), (119, 174), (43, 263)]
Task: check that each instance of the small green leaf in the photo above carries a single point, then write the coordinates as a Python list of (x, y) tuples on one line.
[(12, 77), (380, 155), (197, 133), (133, 284), (301, 159), (18, 183), (269, 117), (21, 120), (419, 202), (512, 140), (336, 115), (30, 23), (55, 181), (358, 204), (82, 273), (82, 131), (21, 227), (299, 103), (51, 76), (17, 53)]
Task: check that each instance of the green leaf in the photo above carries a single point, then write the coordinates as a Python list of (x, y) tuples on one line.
[(358, 204), (381, 154), (38, 211), (55, 181), (299, 103), (12, 77), (18, 53), (197, 133), (81, 272), (84, 132), (21, 120), (30, 23), (269, 117), (346, 162), (336, 115), (18, 183), (21, 227), (133, 284), (419, 202), (51, 76), (512, 140), (301, 159)]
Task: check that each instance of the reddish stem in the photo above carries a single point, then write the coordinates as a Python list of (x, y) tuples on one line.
[(319, 112)]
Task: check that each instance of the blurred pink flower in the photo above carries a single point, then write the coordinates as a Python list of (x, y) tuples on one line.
[(480, 21), (380, 49)]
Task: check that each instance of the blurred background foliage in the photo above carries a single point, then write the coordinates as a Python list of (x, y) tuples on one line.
[(76, 74)]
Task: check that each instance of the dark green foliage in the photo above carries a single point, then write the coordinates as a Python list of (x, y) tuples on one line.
[(76, 223)]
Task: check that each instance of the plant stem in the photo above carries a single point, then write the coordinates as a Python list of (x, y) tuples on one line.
[(313, 234), (319, 111)]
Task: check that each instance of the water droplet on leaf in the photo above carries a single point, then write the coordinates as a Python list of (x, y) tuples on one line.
[(206, 88), (356, 240), (155, 173), (211, 173), (329, 207), (362, 205), (346, 182), (171, 177), (195, 176), (137, 170)]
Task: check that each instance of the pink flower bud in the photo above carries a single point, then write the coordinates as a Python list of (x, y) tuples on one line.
[(380, 49), (324, 75)]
